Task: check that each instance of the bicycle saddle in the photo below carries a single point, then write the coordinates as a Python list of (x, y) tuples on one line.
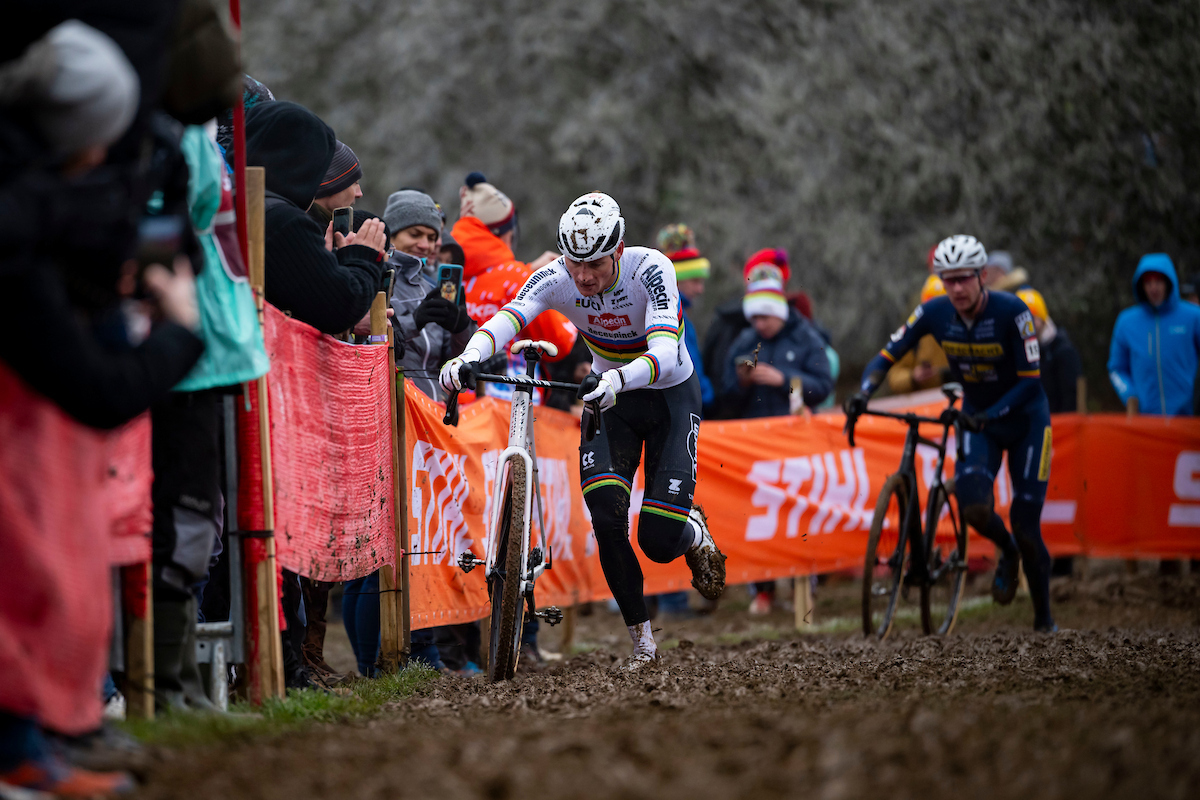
[(544, 347)]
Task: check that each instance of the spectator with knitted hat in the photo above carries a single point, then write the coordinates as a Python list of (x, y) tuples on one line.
[(492, 275), (678, 243), (729, 319), (433, 329), (339, 187), (779, 347), (787, 347)]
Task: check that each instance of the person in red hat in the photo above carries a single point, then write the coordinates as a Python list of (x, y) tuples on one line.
[(729, 319)]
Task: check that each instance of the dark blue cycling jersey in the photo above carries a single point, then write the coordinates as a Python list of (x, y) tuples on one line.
[(996, 358)]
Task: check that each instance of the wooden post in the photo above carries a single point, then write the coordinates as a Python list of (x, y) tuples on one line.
[(1081, 394), (802, 603), (1131, 411), (568, 635), (394, 627), (263, 584), (139, 648)]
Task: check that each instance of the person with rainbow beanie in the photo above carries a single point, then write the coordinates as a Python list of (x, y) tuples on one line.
[(678, 243)]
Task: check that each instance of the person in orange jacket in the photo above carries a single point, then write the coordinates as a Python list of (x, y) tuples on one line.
[(492, 275)]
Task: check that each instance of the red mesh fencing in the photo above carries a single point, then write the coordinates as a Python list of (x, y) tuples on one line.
[(128, 492), (331, 453)]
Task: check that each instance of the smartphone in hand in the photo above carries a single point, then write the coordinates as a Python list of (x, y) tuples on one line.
[(343, 220), (449, 283)]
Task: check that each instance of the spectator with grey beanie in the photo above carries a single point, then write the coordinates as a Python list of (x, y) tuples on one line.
[(431, 328)]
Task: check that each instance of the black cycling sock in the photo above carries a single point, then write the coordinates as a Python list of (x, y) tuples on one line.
[(609, 506), (993, 529), (1027, 530)]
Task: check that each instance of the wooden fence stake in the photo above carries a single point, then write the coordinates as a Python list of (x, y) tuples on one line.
[(267, 669), (139, 649), (802, 603), (394, 617)]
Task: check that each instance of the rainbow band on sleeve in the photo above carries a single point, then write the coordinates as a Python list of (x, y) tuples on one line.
[(605, 479), (655, 368), (516, 317), (491, 339), (891, 358), (678, 513)]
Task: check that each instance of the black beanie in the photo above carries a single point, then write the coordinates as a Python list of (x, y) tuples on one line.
[(343, 172)]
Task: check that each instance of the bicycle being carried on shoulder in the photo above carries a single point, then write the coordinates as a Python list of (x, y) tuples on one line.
[(513, 563), (903, 550)]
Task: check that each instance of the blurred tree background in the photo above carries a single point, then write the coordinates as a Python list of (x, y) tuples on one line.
[(856, 134)]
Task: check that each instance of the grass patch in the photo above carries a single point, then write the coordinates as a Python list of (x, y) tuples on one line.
[(359, 700)]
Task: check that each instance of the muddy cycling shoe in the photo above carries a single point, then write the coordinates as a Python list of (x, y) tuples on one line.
[(636, 661), (1004, 585), (706, 562), (1045, 627)]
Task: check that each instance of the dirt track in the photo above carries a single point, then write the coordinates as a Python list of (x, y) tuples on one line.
[(993, 711)]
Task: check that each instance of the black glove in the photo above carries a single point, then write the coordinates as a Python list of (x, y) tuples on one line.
[(440, 311), (855, 404), (973, 422)]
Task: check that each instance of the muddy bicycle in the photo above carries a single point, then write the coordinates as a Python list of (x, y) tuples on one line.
[(903, 549), (513, 562)]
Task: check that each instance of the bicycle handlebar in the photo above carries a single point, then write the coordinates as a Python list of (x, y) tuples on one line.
[(949, 416), (471, 377)]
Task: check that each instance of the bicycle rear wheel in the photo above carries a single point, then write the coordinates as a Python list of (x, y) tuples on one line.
[(946, 560), (508, 610), (887, 552)]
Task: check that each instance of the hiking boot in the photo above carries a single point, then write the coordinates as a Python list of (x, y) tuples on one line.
[(636, 661), (58, 779), (531, 658), (1004, 585), (706, 562)]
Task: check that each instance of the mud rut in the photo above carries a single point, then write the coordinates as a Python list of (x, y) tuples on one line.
[(1108, 709)]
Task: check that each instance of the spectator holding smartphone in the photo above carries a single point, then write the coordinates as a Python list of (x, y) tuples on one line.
[(326, 288)]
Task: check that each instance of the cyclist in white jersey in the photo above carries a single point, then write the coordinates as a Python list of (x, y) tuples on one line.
[(625, 303)]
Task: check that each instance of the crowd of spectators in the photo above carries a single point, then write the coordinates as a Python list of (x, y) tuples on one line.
[(141, 328)]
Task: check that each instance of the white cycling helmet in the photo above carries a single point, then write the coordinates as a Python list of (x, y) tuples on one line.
[(959, 252), (592, 227)]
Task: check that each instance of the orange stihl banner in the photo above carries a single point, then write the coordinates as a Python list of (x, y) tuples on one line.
[(784, 496)]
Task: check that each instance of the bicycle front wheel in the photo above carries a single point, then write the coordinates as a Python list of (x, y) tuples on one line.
[(887, 552), (508, 610), (946, 560)]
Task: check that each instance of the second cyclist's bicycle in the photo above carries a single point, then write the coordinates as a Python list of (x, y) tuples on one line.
[(904, 549), (514, 561)]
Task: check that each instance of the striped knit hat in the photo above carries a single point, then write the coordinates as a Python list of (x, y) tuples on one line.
[(765, 296), (678, 243), (343, 172), (768, 262)]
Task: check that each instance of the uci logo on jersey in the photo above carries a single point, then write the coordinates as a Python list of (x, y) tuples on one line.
[(588, 302)]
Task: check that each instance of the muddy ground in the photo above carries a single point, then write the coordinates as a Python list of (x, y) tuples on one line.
[(746, 707)]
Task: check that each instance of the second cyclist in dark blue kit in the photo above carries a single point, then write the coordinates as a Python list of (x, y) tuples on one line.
[(989, 339)]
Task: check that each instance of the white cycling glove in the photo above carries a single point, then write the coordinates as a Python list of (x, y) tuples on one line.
[(606, 391), (451, 381)]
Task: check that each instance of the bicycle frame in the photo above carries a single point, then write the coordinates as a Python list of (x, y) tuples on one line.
[(908, 469), (521, 446)]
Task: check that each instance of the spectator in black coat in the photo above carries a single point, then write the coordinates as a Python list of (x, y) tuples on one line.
[(1061, 365), (321, 278)]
